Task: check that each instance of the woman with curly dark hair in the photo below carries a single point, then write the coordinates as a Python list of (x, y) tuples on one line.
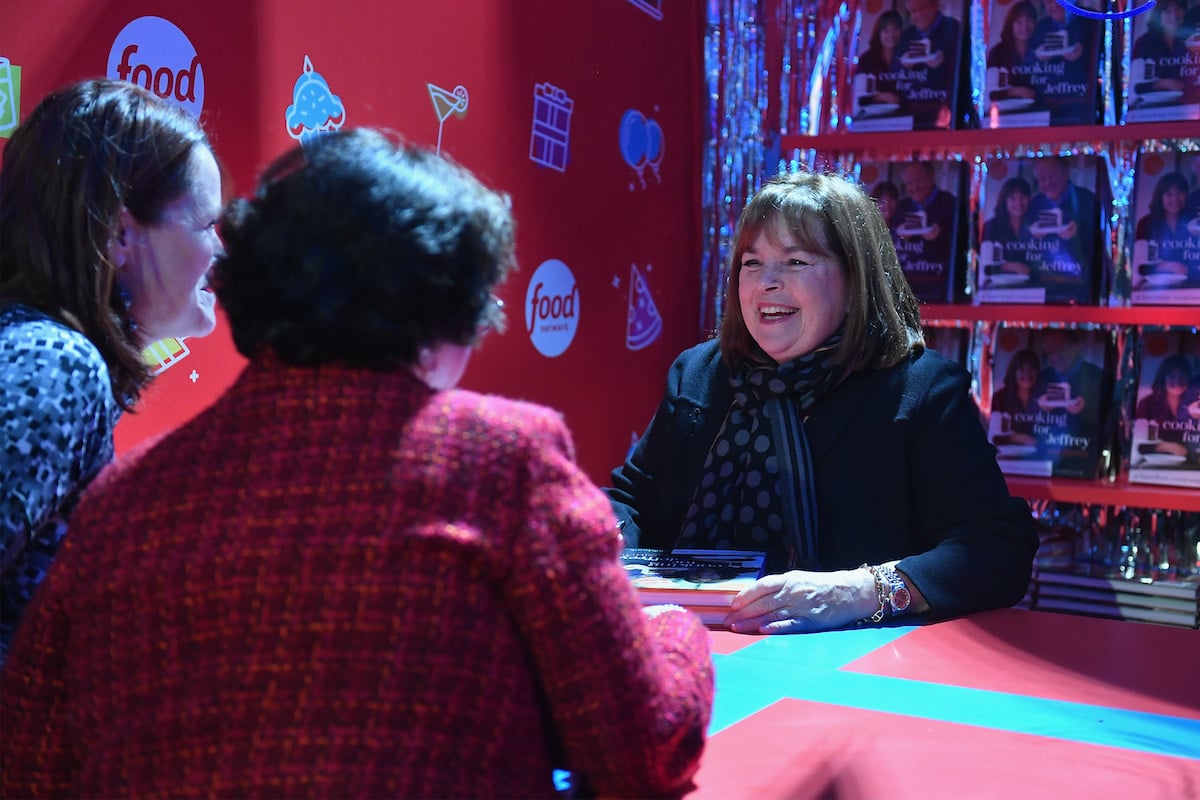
[(347, 576), (108, 204)]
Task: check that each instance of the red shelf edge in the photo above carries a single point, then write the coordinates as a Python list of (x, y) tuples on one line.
[(986, 139), (1121, 493), (1100, 315)]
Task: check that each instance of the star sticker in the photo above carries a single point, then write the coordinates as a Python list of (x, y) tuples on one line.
[(195, 376), (616, 282)]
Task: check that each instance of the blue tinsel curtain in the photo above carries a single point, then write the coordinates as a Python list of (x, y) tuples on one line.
[(802, 76)]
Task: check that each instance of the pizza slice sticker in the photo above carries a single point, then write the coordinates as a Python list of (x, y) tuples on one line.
[(643, 323)]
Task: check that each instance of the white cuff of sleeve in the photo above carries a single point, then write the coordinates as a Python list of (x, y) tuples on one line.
[(654, 611)]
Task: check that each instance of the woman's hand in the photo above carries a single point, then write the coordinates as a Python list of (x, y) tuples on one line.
[(1014, 267), (1020, 91), (1169, 85), (802, 602), (1171, 448), (1171, 268)]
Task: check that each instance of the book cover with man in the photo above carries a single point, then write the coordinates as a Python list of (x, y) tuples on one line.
[(1041, 65), (1048, 413), (1041, 230), (909, 70), (921, 201), (952, 342)]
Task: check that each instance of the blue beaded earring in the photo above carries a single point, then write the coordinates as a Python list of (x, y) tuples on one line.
[(126, 300)]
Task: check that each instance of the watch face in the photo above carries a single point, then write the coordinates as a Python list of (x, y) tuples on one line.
[(901, 598)]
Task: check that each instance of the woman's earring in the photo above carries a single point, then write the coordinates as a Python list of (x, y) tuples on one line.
[(126, 301)]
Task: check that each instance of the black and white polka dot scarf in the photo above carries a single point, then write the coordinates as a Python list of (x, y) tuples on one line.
[(756, 491)]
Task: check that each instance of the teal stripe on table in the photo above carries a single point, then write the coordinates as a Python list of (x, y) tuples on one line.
[(1077, 722), (772, 667), (807, 667)]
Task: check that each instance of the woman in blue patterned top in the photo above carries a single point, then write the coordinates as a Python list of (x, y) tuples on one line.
[(108, 203)]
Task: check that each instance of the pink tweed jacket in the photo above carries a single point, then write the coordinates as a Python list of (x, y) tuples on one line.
[(339, 583)]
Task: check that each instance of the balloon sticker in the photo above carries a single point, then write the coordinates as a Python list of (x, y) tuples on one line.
[(641, 144)]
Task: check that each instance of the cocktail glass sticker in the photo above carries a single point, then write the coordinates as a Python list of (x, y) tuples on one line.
[(550, 139), (315, 109), (641, 142), (447, 102), (165, 353), (10, 97), (643, 324)]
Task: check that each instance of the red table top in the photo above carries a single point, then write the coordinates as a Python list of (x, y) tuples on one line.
[(1006, 704)]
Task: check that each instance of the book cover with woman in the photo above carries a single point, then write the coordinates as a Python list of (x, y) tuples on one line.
[(878, 67), (1009, 256), (1049, 414), (952, 342), (1013, 68), (909, 65), (1165, 268), (1013, 417), (920, 203), (1041, 65), (1166, 415), (1041, 226), (1164, 80)]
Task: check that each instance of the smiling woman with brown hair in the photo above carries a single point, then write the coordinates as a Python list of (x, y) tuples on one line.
[(819, 429), (108, 205)]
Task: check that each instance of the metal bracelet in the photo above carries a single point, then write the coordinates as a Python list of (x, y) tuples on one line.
[(883, 589)]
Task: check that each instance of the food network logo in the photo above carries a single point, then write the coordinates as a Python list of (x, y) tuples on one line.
[(552, 308), (153, 53), (1087, 12)]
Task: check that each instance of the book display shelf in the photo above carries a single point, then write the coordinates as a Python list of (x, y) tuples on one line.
[(1118, 143), (968, 144)]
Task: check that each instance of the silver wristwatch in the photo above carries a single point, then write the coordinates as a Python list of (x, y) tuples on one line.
[(898, 596), (894, 596)]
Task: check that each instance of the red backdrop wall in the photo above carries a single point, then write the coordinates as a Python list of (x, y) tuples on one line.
[(588, 114)]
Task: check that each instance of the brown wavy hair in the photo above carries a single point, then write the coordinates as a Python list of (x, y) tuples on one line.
[(831, 215), (87, 151)]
